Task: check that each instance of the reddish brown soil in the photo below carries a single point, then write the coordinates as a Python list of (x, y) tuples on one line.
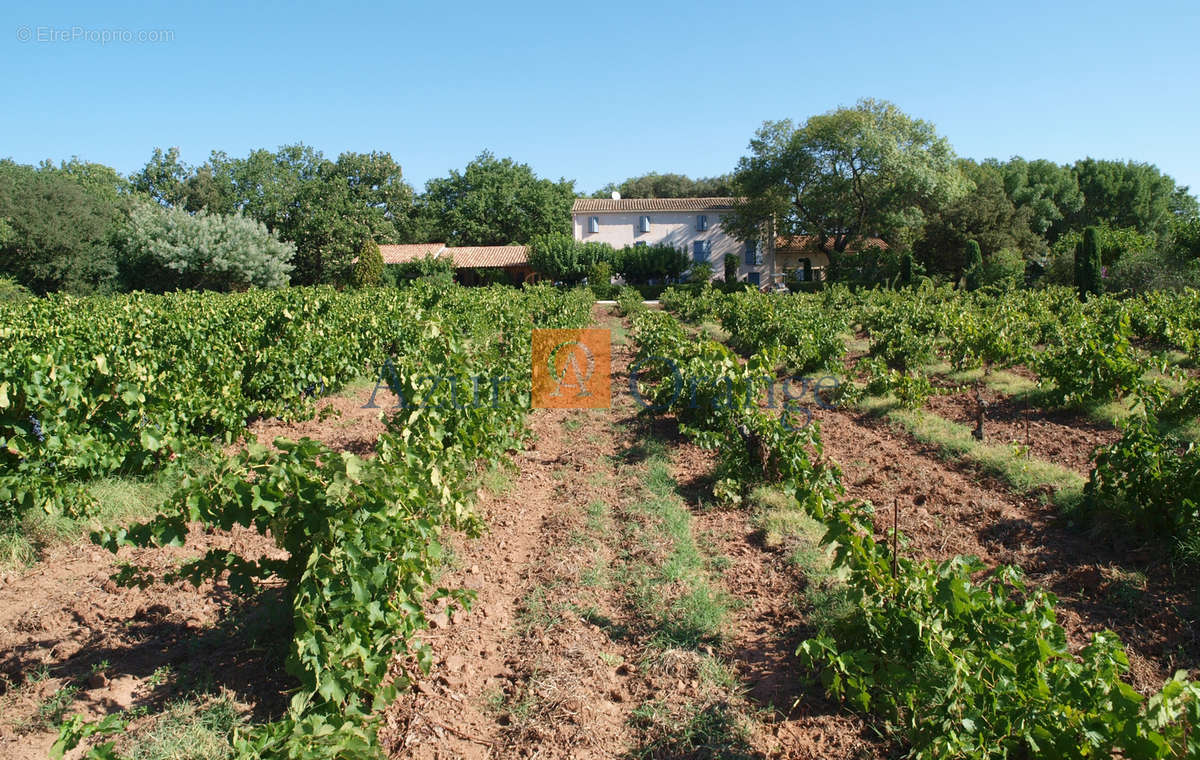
[(1020, 370), (947, 509), (65, 617), (519, 648), (767, 626), (1062, 437), (346, 422), (523, 673)]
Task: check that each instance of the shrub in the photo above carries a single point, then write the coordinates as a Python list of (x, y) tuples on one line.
[(903, 346), (872, 266), (564, 259), (600, 280), (1004, 270), (700, 273), (1146, 271), (175, 249), (639, 264), (368, 269), (1091, 361), (910, 388), (629, 300), (426, 267), (731, 267), (1115, 242), (57, 231), (11, 290), (1151, 481)]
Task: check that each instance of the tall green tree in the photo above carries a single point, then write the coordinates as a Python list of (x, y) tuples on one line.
[(368, 269), (62, 226), (1183, 204), (1126, 194), (495, 201), (1114, 243), (638, 264), (731, 267), (669, 185), (164, 178), (1047, 192), (906, 269), (846, 175), (985, 214)]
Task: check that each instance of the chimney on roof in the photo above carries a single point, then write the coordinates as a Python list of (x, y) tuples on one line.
[(616, 196)]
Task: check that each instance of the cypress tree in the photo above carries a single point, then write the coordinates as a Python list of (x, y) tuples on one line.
[(1089, 272), (906, 268), (368, 270), (974, 266), (1080, 269)]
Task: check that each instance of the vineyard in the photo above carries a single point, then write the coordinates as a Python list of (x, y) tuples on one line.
[(925, 523)]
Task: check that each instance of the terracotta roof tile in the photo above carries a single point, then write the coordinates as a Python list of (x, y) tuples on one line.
[(591, 205), (468, 257), (400, 254)]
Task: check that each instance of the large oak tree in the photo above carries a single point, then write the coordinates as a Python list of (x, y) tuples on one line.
[(847, 175), (495, 201)]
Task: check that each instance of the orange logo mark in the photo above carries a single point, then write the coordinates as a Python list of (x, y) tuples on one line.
[(572, 369)]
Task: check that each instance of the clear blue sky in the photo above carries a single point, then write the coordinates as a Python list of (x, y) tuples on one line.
[(596, 91)]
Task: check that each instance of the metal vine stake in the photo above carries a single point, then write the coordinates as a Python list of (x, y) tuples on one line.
[(895, 533), (1028, 442)]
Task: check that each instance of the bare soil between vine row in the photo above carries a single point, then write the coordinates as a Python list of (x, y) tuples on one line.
[(539, 666), (1103, 579)]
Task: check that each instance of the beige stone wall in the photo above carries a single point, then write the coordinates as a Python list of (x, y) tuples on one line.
[(676, 228)]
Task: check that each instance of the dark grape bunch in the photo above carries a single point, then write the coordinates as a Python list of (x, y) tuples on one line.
[(37, 429)]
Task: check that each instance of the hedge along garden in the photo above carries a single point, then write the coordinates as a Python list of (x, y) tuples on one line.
[(95, 387), (961, 659)]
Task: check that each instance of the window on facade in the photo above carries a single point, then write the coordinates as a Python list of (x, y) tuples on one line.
[(644, 224), (640, 242), (700, 250), (701, 223), (752, 256), (753, 278), (594, 224)]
